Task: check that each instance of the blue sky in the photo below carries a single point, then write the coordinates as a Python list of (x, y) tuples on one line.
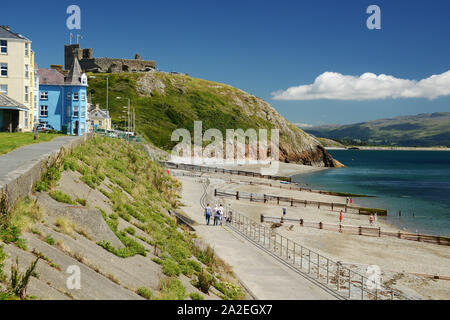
[(260, 46)]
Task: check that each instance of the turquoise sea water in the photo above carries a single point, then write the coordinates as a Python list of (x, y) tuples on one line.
[(417, 183)]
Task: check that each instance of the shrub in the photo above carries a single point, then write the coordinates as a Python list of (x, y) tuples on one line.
[(61, 197), (145, 293), (19, 281), (3, 256), (50, 240), (11, 234), (130, 230), (81, 201), (171, 289), (204, 281), (170, 268), (65, 225), (230, 290), (196, 296)]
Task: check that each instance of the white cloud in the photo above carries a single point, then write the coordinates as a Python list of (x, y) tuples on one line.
[(369, 86)]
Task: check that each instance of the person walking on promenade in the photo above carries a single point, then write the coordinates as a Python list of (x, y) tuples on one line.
[(341, 216), (346, 201), (221, 214), (216, 215), (207, 213)]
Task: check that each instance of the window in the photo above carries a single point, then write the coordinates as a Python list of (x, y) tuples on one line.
[(76, 112), (69, 96), (44, 95), (100, 123), (44, 111), (27, 49), (3, 69), (27, 73), (75, 96), (83, 112), (83, 96), (26, 119), (3, 47), (27, 94), (4, 88), (82, 127)]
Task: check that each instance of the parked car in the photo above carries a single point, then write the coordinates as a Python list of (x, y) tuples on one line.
[(41, 127)]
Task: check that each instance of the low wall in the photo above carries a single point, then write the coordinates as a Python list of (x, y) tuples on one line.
[(22, 185)]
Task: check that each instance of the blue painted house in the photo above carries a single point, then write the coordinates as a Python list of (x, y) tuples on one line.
[(63, 99)]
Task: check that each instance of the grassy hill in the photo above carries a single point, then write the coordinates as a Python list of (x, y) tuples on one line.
[(165, 102), (423, 130)]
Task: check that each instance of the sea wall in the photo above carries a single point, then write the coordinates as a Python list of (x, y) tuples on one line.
[(23, 179)]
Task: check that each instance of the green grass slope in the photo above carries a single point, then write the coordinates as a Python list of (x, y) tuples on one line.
[(165, 102)]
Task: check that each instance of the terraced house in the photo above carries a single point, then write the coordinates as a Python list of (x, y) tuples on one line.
[(63, 99), (16, 82)]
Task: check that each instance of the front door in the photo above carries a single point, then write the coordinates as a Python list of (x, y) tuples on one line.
[(77, 128)]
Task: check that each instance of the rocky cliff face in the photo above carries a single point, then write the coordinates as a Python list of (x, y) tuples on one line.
[(296, 146)]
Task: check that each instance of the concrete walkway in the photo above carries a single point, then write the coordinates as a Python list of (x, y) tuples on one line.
[(263, 275), (19, 160)]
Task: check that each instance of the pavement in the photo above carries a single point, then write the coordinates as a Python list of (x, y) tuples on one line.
[(263, 275), (19, 161)]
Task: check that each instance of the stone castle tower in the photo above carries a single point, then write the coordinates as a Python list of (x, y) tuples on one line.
[(104, 65)]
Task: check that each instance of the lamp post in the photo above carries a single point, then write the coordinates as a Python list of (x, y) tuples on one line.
[(128, 115)]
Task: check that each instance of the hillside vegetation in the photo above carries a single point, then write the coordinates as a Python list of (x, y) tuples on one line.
[(165, 102), (104, 208), (423, 130)]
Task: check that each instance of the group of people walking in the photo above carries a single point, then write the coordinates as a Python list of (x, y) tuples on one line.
[(217, 212)]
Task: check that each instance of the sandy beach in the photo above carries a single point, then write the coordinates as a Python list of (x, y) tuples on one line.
[(398, 259)]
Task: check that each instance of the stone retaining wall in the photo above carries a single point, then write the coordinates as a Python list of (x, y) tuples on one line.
[(22, 185)]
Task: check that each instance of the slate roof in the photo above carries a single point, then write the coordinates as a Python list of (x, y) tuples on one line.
[(6, 102), (50, 76), (75, 73), (8, 34)]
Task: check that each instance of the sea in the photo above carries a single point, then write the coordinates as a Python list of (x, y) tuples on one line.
[(414, 186)]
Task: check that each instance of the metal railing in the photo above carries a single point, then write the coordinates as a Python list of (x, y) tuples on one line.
[(343, 281)]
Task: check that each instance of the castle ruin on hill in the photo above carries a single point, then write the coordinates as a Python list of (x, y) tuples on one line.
[(104, 65)]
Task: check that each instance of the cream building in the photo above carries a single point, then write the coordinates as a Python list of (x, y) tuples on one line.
[(98, 118), (16, 81)]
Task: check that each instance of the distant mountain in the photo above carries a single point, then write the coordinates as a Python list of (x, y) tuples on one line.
[(423, 130)]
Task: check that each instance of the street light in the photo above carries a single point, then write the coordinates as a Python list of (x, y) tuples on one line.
[(128, 115)]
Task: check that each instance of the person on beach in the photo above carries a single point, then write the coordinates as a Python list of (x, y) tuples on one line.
[(207, 213), (351, 200), (375, 218), (346, 201), (284, 212), (371, 219), (341, 216)]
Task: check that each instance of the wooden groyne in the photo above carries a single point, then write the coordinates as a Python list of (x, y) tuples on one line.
[(265, 198), (193, 167), (362, 231)]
